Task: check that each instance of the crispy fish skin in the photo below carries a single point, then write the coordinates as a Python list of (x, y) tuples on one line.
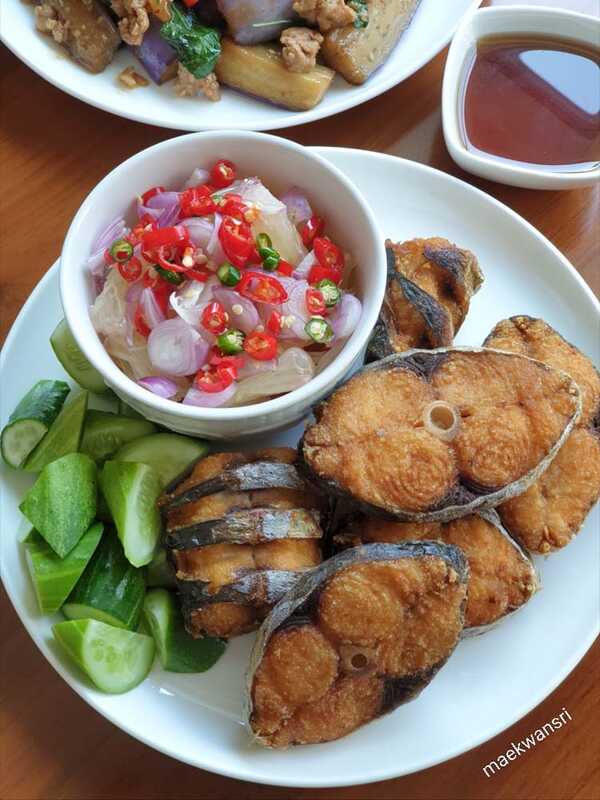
[(207, 471), (409, 317), (236, 550), (502, 577), (551, 512), (429, 288), (353, 639), (237, 576), (370, 443)]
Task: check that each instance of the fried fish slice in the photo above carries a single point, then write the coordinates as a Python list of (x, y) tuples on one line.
[(238, 531), (502, 577), (436, 435), (430, 285), (551, 512), (355, 637), (226, 589)]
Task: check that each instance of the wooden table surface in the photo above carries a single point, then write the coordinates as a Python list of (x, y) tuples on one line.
[(54, 150)]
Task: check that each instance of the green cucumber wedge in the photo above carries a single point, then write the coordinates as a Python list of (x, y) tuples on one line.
[(63, 436), (177, 651), (131, 491), (53, 578), (115, 660), (74, 362), (104, 433), (31, 419), (168, 453), (159, 572), (61, 504), (110, 589)]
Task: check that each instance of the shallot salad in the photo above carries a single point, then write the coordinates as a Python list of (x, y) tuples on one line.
[(222, 294)]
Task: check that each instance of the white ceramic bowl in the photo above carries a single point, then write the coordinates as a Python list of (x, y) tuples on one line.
[(281, 164), (502, 20)]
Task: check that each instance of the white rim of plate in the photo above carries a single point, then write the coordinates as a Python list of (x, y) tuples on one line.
[(484, 736)]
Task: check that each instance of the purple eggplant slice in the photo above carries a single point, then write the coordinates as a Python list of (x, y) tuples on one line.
[(551, 512), (502, 577), (436, 435), (354, 638)]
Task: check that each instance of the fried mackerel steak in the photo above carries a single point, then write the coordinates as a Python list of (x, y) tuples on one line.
[(436, 435), (354, 638), (502, 577), (429, 288), (238, 532), (551, 512)]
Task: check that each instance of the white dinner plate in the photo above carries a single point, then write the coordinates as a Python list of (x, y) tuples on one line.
[(491, 680), (429, 32)]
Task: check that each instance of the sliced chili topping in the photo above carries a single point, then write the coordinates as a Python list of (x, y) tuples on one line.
[(260, 345), (214, 318), (310, 229), (262, 288), (237, 241), (223, 173)]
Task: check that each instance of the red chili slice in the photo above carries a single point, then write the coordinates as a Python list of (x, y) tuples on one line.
[(285, 268), (315, 302), (318, 273), (130, 270), (140, 323), (237, 241), (275, 323), (223, 173), (165, 237), (152, 193), (262, 288), (214, 319), (233, 206), (328, 254), (261, 346), (311, 228), (214, 380), (216, 359), (197, 202)]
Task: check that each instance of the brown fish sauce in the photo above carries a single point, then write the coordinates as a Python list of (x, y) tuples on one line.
[(533, 100)]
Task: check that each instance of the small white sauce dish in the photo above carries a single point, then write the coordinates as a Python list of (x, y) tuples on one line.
[(280, 164), (499, 21)]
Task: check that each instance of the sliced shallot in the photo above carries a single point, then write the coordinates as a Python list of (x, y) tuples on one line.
[(163, 387), (195, 397), (175, 348)]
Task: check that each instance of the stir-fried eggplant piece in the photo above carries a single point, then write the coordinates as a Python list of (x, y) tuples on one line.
[(551, 512), (264, 469), (429, 288), (502, 577), (238, 530), (438, 434), (353, 639), (355, 52), (85, 29)]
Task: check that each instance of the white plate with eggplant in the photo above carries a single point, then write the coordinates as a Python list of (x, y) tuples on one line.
[(322, 596), (255, 65)]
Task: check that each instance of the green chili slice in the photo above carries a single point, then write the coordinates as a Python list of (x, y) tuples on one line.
[(231, 342), (228, 274), (319, 330)]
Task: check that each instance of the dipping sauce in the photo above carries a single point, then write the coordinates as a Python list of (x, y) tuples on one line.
[(535, 101)]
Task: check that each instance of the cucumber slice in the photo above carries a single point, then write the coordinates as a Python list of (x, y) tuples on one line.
[(177, 651), (131, 491), (168, 453), (159, 572), (110, 589), (29, 422), (54, 577), (63, 436), (61, 504), (115, 660), (104, 433), (74, 362)]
